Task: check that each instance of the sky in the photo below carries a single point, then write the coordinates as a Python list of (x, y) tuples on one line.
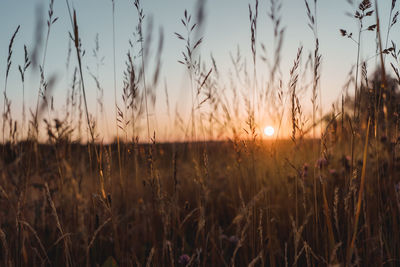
[(226, 28)]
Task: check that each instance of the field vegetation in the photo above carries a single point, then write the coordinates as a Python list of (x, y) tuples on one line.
[(327, 194)]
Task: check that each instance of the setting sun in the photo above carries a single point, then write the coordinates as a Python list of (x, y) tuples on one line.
[(269, 131)]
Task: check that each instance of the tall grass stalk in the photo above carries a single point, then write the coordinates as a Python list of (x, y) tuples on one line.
[(9, 62), (141, 16), (362, 11), (391, 22), (253, 30), (75, 37), (312, 17), (382, 88), (22, 71), (350, 248), (115, 96), (51, 20)]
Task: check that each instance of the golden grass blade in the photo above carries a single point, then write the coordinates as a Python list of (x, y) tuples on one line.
[(360, 195)]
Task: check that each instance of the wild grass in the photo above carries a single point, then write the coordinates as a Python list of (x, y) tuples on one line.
[(329, 195)]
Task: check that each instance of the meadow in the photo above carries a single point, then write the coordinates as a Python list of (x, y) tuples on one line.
[(327, 193)]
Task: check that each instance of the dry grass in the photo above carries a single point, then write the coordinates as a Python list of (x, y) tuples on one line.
[(311, 200)]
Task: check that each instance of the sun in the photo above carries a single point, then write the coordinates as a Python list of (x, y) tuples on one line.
[(269, 131)]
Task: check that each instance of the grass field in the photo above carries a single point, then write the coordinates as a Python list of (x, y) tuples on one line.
[(327, 194)]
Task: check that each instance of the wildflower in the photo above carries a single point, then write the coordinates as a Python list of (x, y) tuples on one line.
[(333, 172), (304, 173), (321, 163), (184, 259), (346, 162), (397, 187), (233, 239)]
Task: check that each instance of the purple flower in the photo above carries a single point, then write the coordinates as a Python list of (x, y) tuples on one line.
[(184, 259), (333, 172), (304, 174), (233, 239), (397, 187), (321, 163)]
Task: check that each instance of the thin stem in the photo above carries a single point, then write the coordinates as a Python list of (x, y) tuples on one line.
[(357, 68), (194, 137), (23, 107), (145, 90), (49, 24), (4, 107), (388, 29), (115, 96), (355, 97)]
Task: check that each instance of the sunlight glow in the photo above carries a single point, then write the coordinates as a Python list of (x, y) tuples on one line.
[(269, 131)]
